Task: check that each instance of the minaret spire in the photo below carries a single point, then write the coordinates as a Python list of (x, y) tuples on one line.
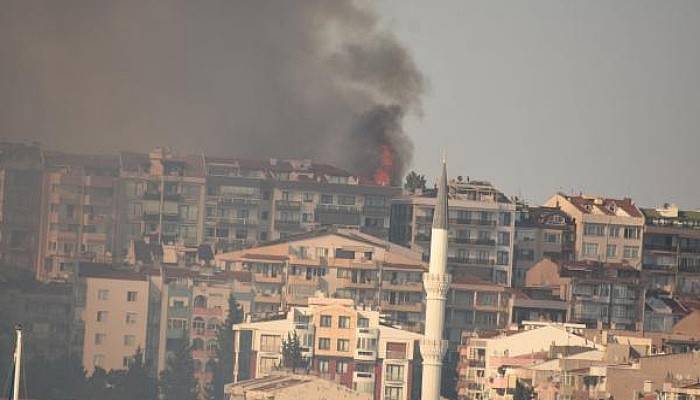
[(436, 283)]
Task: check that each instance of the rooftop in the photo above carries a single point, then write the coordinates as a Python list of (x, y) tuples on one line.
[(604, 206)]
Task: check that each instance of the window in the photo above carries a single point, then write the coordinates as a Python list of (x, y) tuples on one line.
[(394, 372), (504, 218), (323, 366), (590, 249), (267, 364), (550, 237), (343, 345), (363, 322), (631, 252), (341, 367), (129, 340), (176, 323), (503, 238), (100, 338), (308, 197), (198, 325), (326, 321), (103, 294), (344, 254), (130, 318), (346, 200), (611, 251), (614, 231), (632, 232), (270, 343), (98, 360), (326, 199), (590, 229), (396, 351), (502, 258), (393, 393), (324, 343), (344, 322), (131, 296), (102, 316)]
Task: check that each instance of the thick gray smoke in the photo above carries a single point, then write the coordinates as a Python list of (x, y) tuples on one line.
[(315, 78)]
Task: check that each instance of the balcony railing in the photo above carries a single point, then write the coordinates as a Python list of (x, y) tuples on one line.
[(470, 261), (480, 242), (287, 204), (479, 222)]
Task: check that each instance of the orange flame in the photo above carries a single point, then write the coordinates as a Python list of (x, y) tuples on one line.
[(382, 176)]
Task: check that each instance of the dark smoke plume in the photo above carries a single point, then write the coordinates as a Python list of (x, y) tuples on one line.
[(314, 78)]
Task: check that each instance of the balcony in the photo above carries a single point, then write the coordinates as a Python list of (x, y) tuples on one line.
[(375, 211), (470, 261), (268, 278), (338, 215), (288, 224), (226, 201), (660, 247), (405, 286), (476, 222), (695, 250), (658, 268), (210, 312), (406, 307), (268, 298), (476, 242), (288, 205)]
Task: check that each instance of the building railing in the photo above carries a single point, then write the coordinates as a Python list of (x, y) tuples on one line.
[(482, 242), (288, 204), (472, 221), (470, 261)]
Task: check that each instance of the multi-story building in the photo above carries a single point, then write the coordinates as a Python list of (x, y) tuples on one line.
[(161, 197), (482, 226), (671, 251), (607, 230), (111, 308), (340, 263), (537, 304), (598, 295), (249, 202), (475, 305), (485, 358), (20, 197), (540, 232), (77, 212), (45, 312), (688, 391), (340, 342)]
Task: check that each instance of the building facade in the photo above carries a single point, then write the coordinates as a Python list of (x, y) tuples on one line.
[(339, 342), (77, 212), (540, 232), (20, 199), (671, 251), (598, 295), (607, 230), (481, 234)]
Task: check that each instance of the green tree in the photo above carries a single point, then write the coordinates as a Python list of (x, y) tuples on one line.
[(136, 382), (523, 391), (291, 351), (222, 365), (177, 381), (414, 181)]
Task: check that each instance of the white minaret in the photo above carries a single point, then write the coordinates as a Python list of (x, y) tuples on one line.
[(436, 282)]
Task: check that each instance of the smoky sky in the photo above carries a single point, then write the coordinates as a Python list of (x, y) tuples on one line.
[(244, 78)]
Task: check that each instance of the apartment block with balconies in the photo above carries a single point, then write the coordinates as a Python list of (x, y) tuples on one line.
[(20, 200), (671, 250), (607, 230), (161, 198), (540, 232), (481, 228), (339, 341), (78, 210), (598, 295), (340, 263)]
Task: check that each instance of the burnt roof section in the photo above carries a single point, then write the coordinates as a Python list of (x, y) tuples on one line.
[(440, 214)]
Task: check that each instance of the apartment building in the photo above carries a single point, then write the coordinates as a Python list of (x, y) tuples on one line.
[(486, 357), (538, 304), (273, 199), (77, 212), (340, 263), (340, 342), (607, 230), (598, 295), (161, 198), (671, 251), (45, 312), (475, 305), (20, 197), (688, 391), (540, 232), (111, 321), (482, 226)]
